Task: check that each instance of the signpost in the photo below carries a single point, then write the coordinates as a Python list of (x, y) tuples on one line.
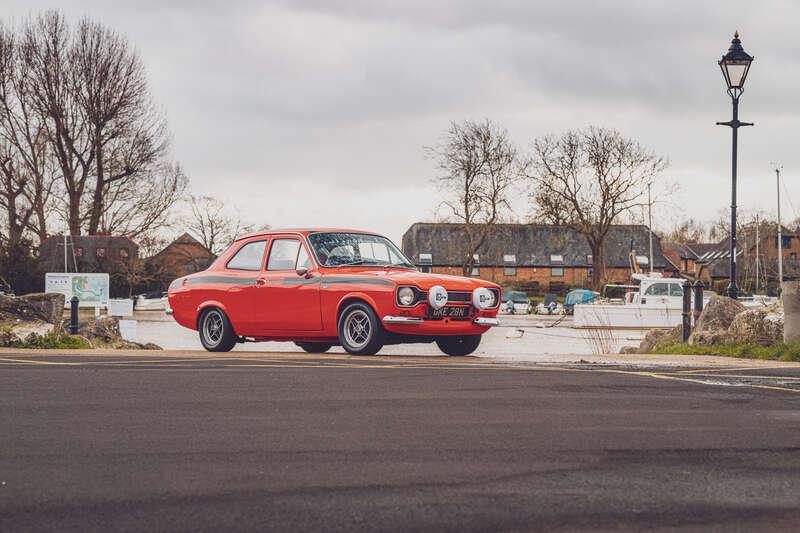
[(91, 289)]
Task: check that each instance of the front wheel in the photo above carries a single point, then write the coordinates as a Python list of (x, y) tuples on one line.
[(314, 347), (459, 344), (360, 331), (216, 331)]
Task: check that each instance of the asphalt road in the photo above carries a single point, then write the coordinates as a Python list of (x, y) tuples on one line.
[(207, 443)]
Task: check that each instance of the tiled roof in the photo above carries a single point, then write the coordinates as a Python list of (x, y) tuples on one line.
[(531, 244)]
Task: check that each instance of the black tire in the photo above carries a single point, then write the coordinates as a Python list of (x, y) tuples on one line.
[(365, 341), (459, 344), (216, 331), (314, 347)]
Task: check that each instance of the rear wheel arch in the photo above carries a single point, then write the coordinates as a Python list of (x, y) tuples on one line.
[(208, 305)]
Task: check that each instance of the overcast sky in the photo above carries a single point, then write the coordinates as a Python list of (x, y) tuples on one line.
[(315, 112)]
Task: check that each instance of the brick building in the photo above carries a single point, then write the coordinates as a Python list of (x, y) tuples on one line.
[(531, 257), (89, 253), (712, 260), (185, 255)]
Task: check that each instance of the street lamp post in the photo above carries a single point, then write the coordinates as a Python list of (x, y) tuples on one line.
[(735, 65)]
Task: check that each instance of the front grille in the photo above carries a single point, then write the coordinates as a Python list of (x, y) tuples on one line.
[(458, 297)]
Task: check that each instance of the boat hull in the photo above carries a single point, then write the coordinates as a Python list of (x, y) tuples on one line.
[(626, 316)]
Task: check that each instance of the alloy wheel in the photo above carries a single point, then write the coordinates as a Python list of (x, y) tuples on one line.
[(357, 329)]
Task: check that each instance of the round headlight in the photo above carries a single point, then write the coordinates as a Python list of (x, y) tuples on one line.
[(483, 298), (405, 296), (437, 296)]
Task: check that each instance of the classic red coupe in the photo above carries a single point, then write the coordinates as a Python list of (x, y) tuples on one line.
[(326, 287)]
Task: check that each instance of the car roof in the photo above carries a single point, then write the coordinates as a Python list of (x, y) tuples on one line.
[(304, 231)]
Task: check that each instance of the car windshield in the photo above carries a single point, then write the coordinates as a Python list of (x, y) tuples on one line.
[(350, 249)]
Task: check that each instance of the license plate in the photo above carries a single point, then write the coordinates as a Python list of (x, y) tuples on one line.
[(449, 312)]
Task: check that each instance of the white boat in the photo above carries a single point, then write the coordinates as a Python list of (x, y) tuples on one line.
[(151, 302), (657, 304)]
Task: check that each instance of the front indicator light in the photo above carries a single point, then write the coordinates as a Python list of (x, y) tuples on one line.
[(483, 298), (406, 296)]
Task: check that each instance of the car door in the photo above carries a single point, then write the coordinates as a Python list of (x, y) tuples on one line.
[(286, 301), (244, 278)]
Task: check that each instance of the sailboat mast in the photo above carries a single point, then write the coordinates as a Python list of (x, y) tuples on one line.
[(757, 255), (650, 226)]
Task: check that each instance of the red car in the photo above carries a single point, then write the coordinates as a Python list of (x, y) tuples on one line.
[(326, 287)]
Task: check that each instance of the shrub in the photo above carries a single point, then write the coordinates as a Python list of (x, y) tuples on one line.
[(777, 352)]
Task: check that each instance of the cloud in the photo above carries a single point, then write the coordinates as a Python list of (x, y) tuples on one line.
[(316, 111)]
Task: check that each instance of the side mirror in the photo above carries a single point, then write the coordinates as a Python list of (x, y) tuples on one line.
[(302, 272)]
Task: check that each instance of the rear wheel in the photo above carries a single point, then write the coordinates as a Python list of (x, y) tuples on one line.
[(360, 331), (216, 331), (314, 347), (459, 344)]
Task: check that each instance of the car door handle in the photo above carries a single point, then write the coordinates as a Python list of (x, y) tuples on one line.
[(260, 282)]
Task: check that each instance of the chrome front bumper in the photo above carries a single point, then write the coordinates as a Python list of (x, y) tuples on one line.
[(480, 321)]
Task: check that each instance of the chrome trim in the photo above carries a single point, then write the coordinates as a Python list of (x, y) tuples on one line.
[(486, 321), (402, 319), (168, 311)]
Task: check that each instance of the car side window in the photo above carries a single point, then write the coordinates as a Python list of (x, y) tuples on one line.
[(249, 256), (283, 254), (675, 289), (303, 261), (657, 289)]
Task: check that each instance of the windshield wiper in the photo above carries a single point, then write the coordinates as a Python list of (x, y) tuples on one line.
[(359, 262)]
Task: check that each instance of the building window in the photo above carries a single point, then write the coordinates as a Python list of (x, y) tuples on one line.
[(509, 265), (787, 241), (425, 262), (557, 272), (123, 253), (556, 259), (642, 260), (100, 252), (793, 256), (589, 260)]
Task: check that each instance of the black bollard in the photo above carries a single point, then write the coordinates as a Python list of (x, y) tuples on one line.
[(687, 310), (698, 301), (73, 315)]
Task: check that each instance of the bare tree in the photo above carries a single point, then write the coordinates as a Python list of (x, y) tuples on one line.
[(478, 164), (686, 231), (127, 134), (45, 44), (214, 224), (588, 179), (136, 208), (28, 175)]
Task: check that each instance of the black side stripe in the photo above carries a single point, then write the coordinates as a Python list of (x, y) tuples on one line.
[(290, 281), (354, 281), (300, 281), (221, 279)]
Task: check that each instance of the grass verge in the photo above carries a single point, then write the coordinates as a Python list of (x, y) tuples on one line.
[(776, 352), (51, 340)]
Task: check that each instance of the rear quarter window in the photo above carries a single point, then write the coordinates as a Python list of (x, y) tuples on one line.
[(249, 257)]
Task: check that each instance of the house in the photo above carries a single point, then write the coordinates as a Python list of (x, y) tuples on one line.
[(715, 257), (112, 254), (185, 255), (532, 257)]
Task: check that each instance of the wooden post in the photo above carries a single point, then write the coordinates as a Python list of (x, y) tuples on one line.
[(687, 310), (698, 301)]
